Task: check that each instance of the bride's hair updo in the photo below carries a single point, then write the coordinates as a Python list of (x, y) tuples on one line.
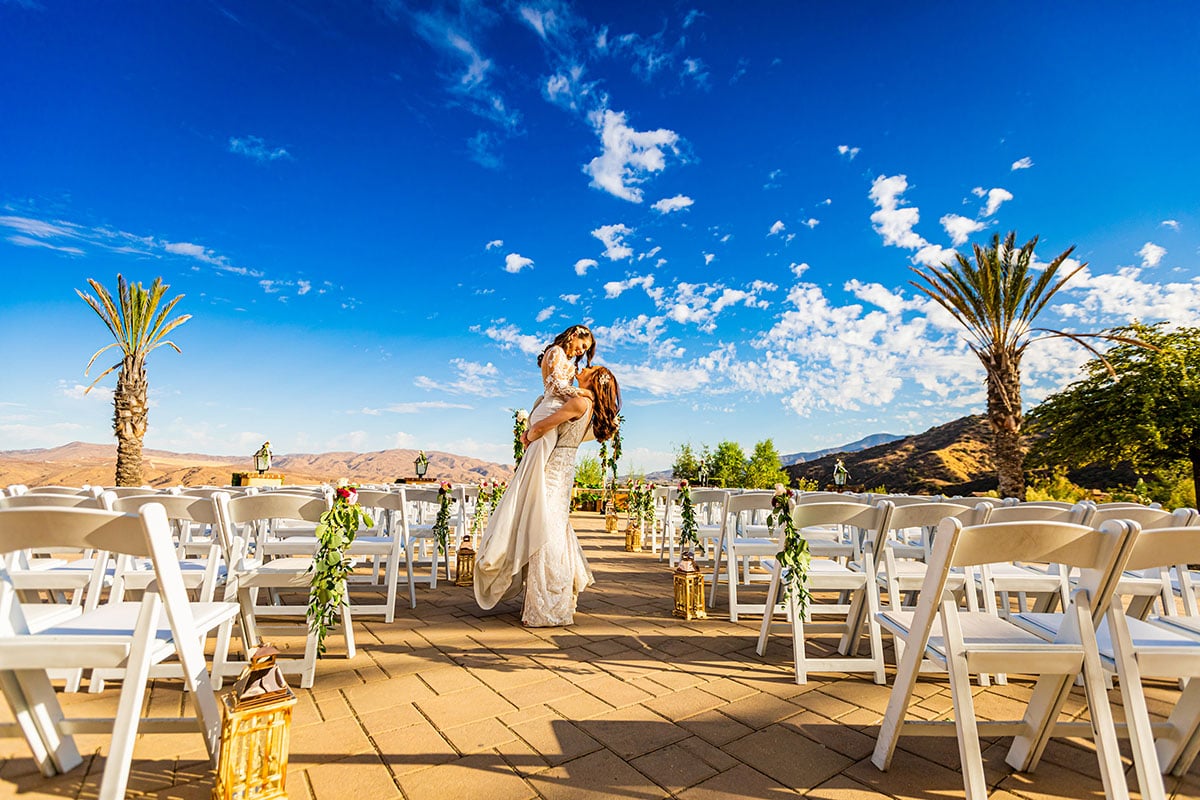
[(573, 332), (607, 405)]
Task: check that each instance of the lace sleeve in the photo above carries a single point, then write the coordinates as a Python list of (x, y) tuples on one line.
[(559, 374)]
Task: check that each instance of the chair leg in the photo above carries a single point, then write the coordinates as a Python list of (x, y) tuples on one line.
[(969, 754), (1137, 716), (35, 707), (348, 632), (799, 657), (769, 611), (129, 706), (392, 576)]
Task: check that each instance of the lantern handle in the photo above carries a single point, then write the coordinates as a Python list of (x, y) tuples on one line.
[(264, 654)]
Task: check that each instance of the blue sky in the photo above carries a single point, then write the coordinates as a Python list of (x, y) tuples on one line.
[(378, 212)]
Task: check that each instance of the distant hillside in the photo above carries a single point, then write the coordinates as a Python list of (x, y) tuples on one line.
[(78, 463), (862, 444), (951, 458)]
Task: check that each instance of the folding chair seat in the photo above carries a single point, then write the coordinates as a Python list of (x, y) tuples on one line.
[(968, 642), (279, 577), (130, 636), (858, 598)]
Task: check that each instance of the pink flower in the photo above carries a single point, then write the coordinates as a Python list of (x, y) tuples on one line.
[(346, 493), (683, 484)]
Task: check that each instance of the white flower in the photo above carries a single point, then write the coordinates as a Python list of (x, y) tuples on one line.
[(522, 415)]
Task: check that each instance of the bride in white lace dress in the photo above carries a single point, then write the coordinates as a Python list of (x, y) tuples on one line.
[(529, 542)]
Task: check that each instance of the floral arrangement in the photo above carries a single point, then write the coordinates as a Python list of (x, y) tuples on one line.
[(480, 515), (497, 491), (441, 523), (641, 504), (688, 530), (327, 589), (520, 425), (795, 557)]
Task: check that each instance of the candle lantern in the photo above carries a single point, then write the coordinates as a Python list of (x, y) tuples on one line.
[(465, 563), (840, 475), (689, 588), (255, 727), (262, 458)]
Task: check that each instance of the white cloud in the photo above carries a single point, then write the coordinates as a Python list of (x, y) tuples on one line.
[(26, 241), (1022, 163), (415, 408), (627, 157), (848, 151), (708, 258), (515, 262), (1123, 296), (584, 264), (893, 221), (493, 244), (77, 391), (471, 377), (811, 223), (545, 314), (614, 289), (776, 228), (613, 238), (1151, 254), (510, 337), (960, 228), (995, 197), (661, 381), (1170, 223), (569, 299), (255, 148), (669, 204), (303, 287), (798, 269)]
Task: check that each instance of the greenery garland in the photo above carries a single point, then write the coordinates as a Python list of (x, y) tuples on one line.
[(495, 494), (520, 425), (688, 530), (480, 515), (441, 523), (327, 589), (794, 557)]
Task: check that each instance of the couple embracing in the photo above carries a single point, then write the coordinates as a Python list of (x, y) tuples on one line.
[(529, 543)]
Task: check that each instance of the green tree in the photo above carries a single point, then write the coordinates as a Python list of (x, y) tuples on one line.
[(1146, 410), (589, 472), (686, 466), (764, 469), (138, 321), (727, 465), (997, 299)]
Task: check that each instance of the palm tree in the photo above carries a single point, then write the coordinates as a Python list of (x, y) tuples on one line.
[(139, 326), (996, 299)]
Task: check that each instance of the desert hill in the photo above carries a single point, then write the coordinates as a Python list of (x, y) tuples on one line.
[(862, 444), (80, 462), (952, 458)]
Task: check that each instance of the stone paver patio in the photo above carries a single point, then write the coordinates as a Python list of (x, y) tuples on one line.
[(449, 701)]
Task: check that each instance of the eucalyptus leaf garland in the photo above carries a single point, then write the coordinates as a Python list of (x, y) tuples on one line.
[(441, 523), (335, 532), (688, 530), (795, 556), (520, 425)]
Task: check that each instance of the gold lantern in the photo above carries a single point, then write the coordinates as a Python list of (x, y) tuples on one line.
[(255, 726), (465, 563), (610, 517), (689, 588), (633, 538)]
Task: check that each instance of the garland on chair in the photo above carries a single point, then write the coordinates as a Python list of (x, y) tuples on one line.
[(441, 523), (480, 515), (494, 495), (520, 425), (335, 532), (688, 530), (794, 557)]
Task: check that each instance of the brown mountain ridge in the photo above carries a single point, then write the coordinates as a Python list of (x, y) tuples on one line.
[(78, 463), (952, 458)]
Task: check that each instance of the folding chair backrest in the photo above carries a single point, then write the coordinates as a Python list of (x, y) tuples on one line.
[(51, 501), (1165, 547), (927, 514), (90, 491), (876, 518), (1144, 516), (1076, 514), (275, 505), (89, 529), (201, 510), (748, 501), (1099, 554)]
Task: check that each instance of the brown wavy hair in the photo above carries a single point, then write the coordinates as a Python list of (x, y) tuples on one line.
[(566, 336), (607, 404)]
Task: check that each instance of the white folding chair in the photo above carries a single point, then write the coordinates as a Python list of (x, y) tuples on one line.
[(419, 537), (130, 636), (279, 576), (742, 538), (962, 643), (858, 597)]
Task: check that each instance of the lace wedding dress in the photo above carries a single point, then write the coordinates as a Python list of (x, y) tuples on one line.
[(529, 542)]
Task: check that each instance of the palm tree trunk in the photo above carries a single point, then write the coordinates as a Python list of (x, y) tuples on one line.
[(129, 421), (1004, 414)]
